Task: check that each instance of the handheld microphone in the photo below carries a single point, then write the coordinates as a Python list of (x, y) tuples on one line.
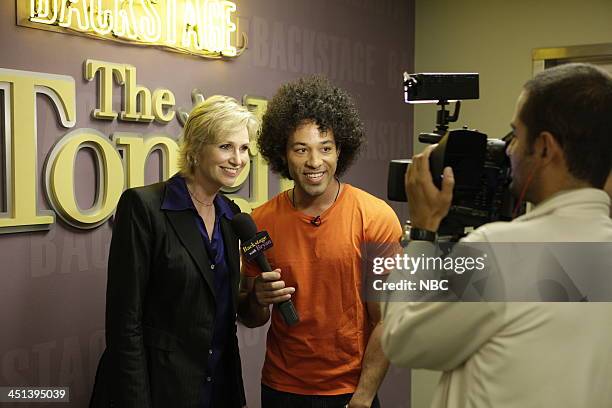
[(245, 228)]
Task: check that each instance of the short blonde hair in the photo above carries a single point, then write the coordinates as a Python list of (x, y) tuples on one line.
[(209, 120)]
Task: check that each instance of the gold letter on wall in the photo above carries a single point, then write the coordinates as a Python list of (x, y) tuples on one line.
[(59, 178), (105, 85), (20, 89), (138, 150)]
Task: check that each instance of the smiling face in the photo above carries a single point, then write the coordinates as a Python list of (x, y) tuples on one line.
[(312, 158), (221, 162)]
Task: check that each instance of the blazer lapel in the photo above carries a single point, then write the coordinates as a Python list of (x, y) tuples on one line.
[(187, 231), (230, 241)]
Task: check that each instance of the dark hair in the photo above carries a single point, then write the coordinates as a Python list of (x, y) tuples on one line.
[(574, 103), (310, 99)]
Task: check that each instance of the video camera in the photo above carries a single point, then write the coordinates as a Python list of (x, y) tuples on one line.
[(480, 165)]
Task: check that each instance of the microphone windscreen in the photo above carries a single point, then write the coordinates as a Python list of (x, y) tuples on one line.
[(244, 226)]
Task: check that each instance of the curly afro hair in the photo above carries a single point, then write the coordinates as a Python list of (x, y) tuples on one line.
[(310, 99)]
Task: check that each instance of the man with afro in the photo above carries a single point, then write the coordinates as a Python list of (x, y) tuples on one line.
[(311, 133)]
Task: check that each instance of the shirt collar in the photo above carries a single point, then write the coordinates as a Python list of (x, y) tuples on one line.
[(176, 198), (591, 200)]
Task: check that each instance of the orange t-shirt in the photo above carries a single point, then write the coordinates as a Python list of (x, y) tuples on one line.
[(322, 354)]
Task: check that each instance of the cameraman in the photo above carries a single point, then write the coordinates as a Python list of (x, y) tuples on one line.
[(523, 354)]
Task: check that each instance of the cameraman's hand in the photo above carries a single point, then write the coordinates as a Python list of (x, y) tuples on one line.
[(427, 205), (269, 289)]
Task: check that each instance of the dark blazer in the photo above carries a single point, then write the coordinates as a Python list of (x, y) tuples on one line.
[(160, 308)]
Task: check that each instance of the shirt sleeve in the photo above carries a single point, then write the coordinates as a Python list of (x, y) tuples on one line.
[(128, 277), (382, 225), (436, 335), (382, 233)]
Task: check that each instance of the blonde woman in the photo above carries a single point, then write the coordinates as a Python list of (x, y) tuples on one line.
[(173, 275)]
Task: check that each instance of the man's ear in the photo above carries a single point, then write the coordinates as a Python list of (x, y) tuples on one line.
[(608, 189), (547, 148), (608, 185)]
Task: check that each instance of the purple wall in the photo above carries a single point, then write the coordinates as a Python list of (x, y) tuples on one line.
[(52, 283)]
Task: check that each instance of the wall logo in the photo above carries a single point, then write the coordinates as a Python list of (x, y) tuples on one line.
[(120, 158), (199, 27)]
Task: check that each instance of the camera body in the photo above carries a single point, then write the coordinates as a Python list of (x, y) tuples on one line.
[(480, 165)]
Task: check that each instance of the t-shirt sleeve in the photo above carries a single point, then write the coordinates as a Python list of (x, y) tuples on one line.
[(382, 233), (382, 225)]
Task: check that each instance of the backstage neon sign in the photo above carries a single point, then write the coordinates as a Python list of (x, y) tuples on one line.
[(114, 171), (199, 27)]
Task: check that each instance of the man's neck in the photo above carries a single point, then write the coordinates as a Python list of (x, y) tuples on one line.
[(316, 205), (550, 189)]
